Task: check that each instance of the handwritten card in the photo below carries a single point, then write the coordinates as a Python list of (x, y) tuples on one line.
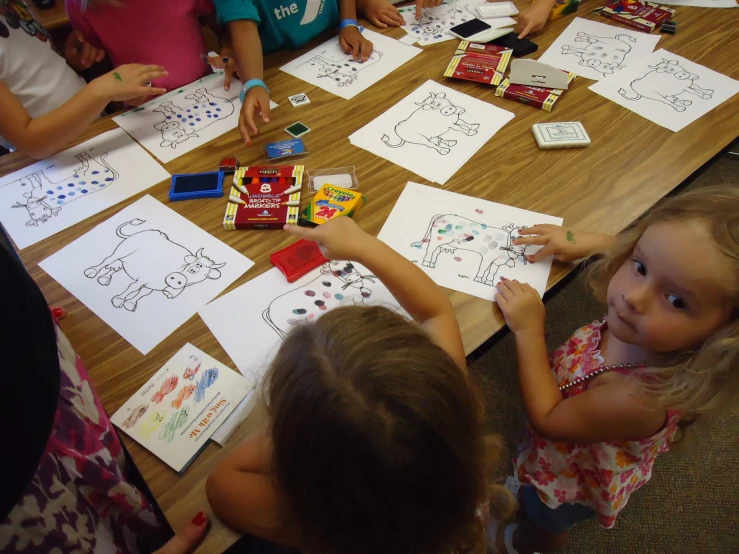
[(174, 414)]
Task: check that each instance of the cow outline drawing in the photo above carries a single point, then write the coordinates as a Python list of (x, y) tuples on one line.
[(665, 83), (434, 117), (344, 70), (162, 265), (181, 123), (455, 232), (605, 55), (339, 283), (44, 198)]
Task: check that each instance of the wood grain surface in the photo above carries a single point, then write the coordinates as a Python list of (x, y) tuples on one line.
[(52, 18), (629, 166)]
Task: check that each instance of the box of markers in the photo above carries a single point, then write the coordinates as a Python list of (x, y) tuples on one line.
[(539, 97), (265, 205), (482, 63), (644, 16)]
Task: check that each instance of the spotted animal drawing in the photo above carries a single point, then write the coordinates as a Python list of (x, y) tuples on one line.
[(181, 123), (435, 22), (448, 233), (339, 284), (603, 54), (665, 83), (43, 198), (344, 70), (435, 117)]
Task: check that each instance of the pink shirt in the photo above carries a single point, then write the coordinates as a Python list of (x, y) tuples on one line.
[(601, 475), (162, 32)]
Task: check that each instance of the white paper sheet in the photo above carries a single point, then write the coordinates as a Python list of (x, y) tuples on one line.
[(329, 68), (146, 271), (251, 321), (181, 406), (433, 131), (184, 119), (47, 197), (464, 243), (597, 51), (435, 22), (669, 90), (701, 3)]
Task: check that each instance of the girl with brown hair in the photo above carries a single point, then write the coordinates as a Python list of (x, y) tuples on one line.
[(376, 441), (618, 391)]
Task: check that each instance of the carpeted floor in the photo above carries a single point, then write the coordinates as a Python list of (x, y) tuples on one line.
[(691, 505)]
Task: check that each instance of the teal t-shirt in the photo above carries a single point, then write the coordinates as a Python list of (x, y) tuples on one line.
[(282, 23)]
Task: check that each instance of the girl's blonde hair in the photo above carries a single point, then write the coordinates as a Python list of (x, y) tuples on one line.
[(380, 440), (696, 381)]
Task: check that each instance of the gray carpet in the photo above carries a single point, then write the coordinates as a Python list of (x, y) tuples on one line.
[(691, 505)]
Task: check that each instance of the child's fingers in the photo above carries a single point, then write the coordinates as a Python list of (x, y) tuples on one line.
[(543, 253), (301, 232), (356, 48), (251, 125), (150, 76), (99, 55), (88, 54), (380, 21), (344, 45), (501, 300), (153, 91), (244, 131), (527, 29), (265, 109), (536, 239), (535, 229), (419, 9), (393, 17)]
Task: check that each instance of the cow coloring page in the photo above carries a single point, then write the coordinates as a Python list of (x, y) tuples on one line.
[(669, 90), (328, 67), (435, 22), (464, 243), (146, 271), (433, 131), (176, 412), (269, 307), (184, 119), (598, 51), (53, 194)]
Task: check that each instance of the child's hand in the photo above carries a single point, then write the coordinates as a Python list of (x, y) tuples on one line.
[(129, 81), (79, 53), (521, 306), (533, 18), (225, 61), (338, 239), (420, 4), (256, 102), (566, 245), (383, 14), (352, 42)]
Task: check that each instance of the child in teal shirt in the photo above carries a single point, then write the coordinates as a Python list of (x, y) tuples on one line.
[(266, 25)]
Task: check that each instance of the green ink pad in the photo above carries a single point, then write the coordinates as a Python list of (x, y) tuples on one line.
[(297, 130)]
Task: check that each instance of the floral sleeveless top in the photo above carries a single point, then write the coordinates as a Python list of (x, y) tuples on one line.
[(80, 499), (600, 475)]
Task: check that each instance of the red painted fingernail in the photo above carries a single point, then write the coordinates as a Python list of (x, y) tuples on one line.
[(58, 313), (199, 519), (503, 279)]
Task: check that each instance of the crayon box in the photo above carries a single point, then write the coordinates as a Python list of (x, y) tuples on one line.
[(644, 16), (482, 63), (539, 97)]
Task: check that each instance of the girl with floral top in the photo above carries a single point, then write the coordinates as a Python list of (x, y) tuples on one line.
[(617, 392)]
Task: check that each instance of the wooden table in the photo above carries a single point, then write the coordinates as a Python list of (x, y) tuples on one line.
[(631, 164), (52, 18)]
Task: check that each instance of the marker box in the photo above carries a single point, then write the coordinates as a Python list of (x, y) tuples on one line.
[(196, 185)]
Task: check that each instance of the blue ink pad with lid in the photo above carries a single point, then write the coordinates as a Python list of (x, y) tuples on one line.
[(196, 185)]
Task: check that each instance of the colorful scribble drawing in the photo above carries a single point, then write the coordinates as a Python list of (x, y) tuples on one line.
[(605, 55), (152, 262), (435, 117), (209, 377), (343, 70), (450, 232), (193, 365), (185, 393), (136, 414), (151, 424), (339, 284), (665, 83), (181, 123), (169, 384), (175, 421), (44, 198)]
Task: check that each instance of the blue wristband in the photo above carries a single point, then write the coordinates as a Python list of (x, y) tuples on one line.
[(251, 83), (350, 23)]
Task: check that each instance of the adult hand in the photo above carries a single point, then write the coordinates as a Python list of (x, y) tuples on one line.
[(338, 239), (420, 4), (188, 537), (521, 306), (256, 103), (129, 81), (352, 42), (79, 53), (383, 14)]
